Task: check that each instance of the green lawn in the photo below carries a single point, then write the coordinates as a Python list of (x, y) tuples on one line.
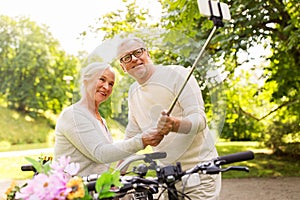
[(264, 164)]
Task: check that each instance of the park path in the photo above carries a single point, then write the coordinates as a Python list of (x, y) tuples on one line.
[(25, 152), (276, 188)]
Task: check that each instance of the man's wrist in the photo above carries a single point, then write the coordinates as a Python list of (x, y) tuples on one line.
[(175, 125)]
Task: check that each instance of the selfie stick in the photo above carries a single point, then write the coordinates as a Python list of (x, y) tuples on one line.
[(217, 23)]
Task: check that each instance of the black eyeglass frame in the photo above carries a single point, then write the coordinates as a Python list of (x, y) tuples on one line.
[(133, 53)]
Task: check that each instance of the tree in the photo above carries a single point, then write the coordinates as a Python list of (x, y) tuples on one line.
[(273, 23), (115, 24), (32, 67)]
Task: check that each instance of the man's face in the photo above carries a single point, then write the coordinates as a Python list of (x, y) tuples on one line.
[(134, 59)]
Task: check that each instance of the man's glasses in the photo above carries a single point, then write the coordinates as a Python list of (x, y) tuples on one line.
[(128, 57)]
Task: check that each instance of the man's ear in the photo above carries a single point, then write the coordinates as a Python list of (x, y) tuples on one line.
[(124, 69)]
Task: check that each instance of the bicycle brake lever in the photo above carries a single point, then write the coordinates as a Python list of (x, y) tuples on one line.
[(153, 156), (236, 168)]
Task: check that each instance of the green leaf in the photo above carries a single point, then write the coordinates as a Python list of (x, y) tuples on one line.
[(87, 196), (36, 164), (116, 179), (105, 182), (46, 167)]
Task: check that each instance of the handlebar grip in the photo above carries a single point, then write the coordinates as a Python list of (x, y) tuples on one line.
[(236, 157), (28, 168), (156, 155), (91, 186)]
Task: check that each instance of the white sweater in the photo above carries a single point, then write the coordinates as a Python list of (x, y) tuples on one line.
[(79, 134), (146, 102)]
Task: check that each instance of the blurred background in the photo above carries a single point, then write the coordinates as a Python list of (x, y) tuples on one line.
[(249, 75)]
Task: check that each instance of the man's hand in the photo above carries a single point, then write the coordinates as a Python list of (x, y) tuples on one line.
[(166, 123), (152, 137)]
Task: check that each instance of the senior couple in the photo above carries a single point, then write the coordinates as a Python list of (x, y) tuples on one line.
[(82, 133)]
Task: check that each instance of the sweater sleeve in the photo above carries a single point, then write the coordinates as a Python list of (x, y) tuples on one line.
[(132, 128), (90, 140), (191, 100)]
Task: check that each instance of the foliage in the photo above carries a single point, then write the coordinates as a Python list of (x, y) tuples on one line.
[(274, 24), (121, 21), (117, 23), (267, 109), (33, 67), (283, 137), (58, 180), (105, 182), (246, 107)]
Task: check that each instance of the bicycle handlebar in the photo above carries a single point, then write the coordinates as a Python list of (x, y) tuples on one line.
[(28, 168), (213, 166), (146, 157), (236, 157), (163, 174)]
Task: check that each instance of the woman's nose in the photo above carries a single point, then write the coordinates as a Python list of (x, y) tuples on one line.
[(105, 85)]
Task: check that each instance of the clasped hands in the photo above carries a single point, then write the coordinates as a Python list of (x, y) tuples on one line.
[(154, 136)]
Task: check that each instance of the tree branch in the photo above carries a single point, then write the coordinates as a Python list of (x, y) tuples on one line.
[(287, 103)]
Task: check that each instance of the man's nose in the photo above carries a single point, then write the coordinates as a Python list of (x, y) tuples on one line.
[(133, 57)]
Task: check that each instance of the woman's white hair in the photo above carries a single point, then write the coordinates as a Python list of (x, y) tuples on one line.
[(88, 73)]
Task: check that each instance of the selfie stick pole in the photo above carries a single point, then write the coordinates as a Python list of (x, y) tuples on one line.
[(217, 23)]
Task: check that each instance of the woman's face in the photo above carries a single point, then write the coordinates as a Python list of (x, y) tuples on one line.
[(104, 86)]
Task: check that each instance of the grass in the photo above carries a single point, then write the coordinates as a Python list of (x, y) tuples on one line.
[(18, 128), (11, 167), (264, 164)]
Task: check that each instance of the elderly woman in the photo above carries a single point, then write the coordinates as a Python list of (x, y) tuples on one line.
[(82, 133)]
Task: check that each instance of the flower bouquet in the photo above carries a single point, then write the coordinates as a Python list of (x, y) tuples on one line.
[(58, 181)]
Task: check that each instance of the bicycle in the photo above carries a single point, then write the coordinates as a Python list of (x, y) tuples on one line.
[(144, 187)]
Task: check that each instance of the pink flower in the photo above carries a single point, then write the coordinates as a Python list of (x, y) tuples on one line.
[(59, 167), (64, 165), (58, 186), (38, 186), (72, 169), (53, 185)]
